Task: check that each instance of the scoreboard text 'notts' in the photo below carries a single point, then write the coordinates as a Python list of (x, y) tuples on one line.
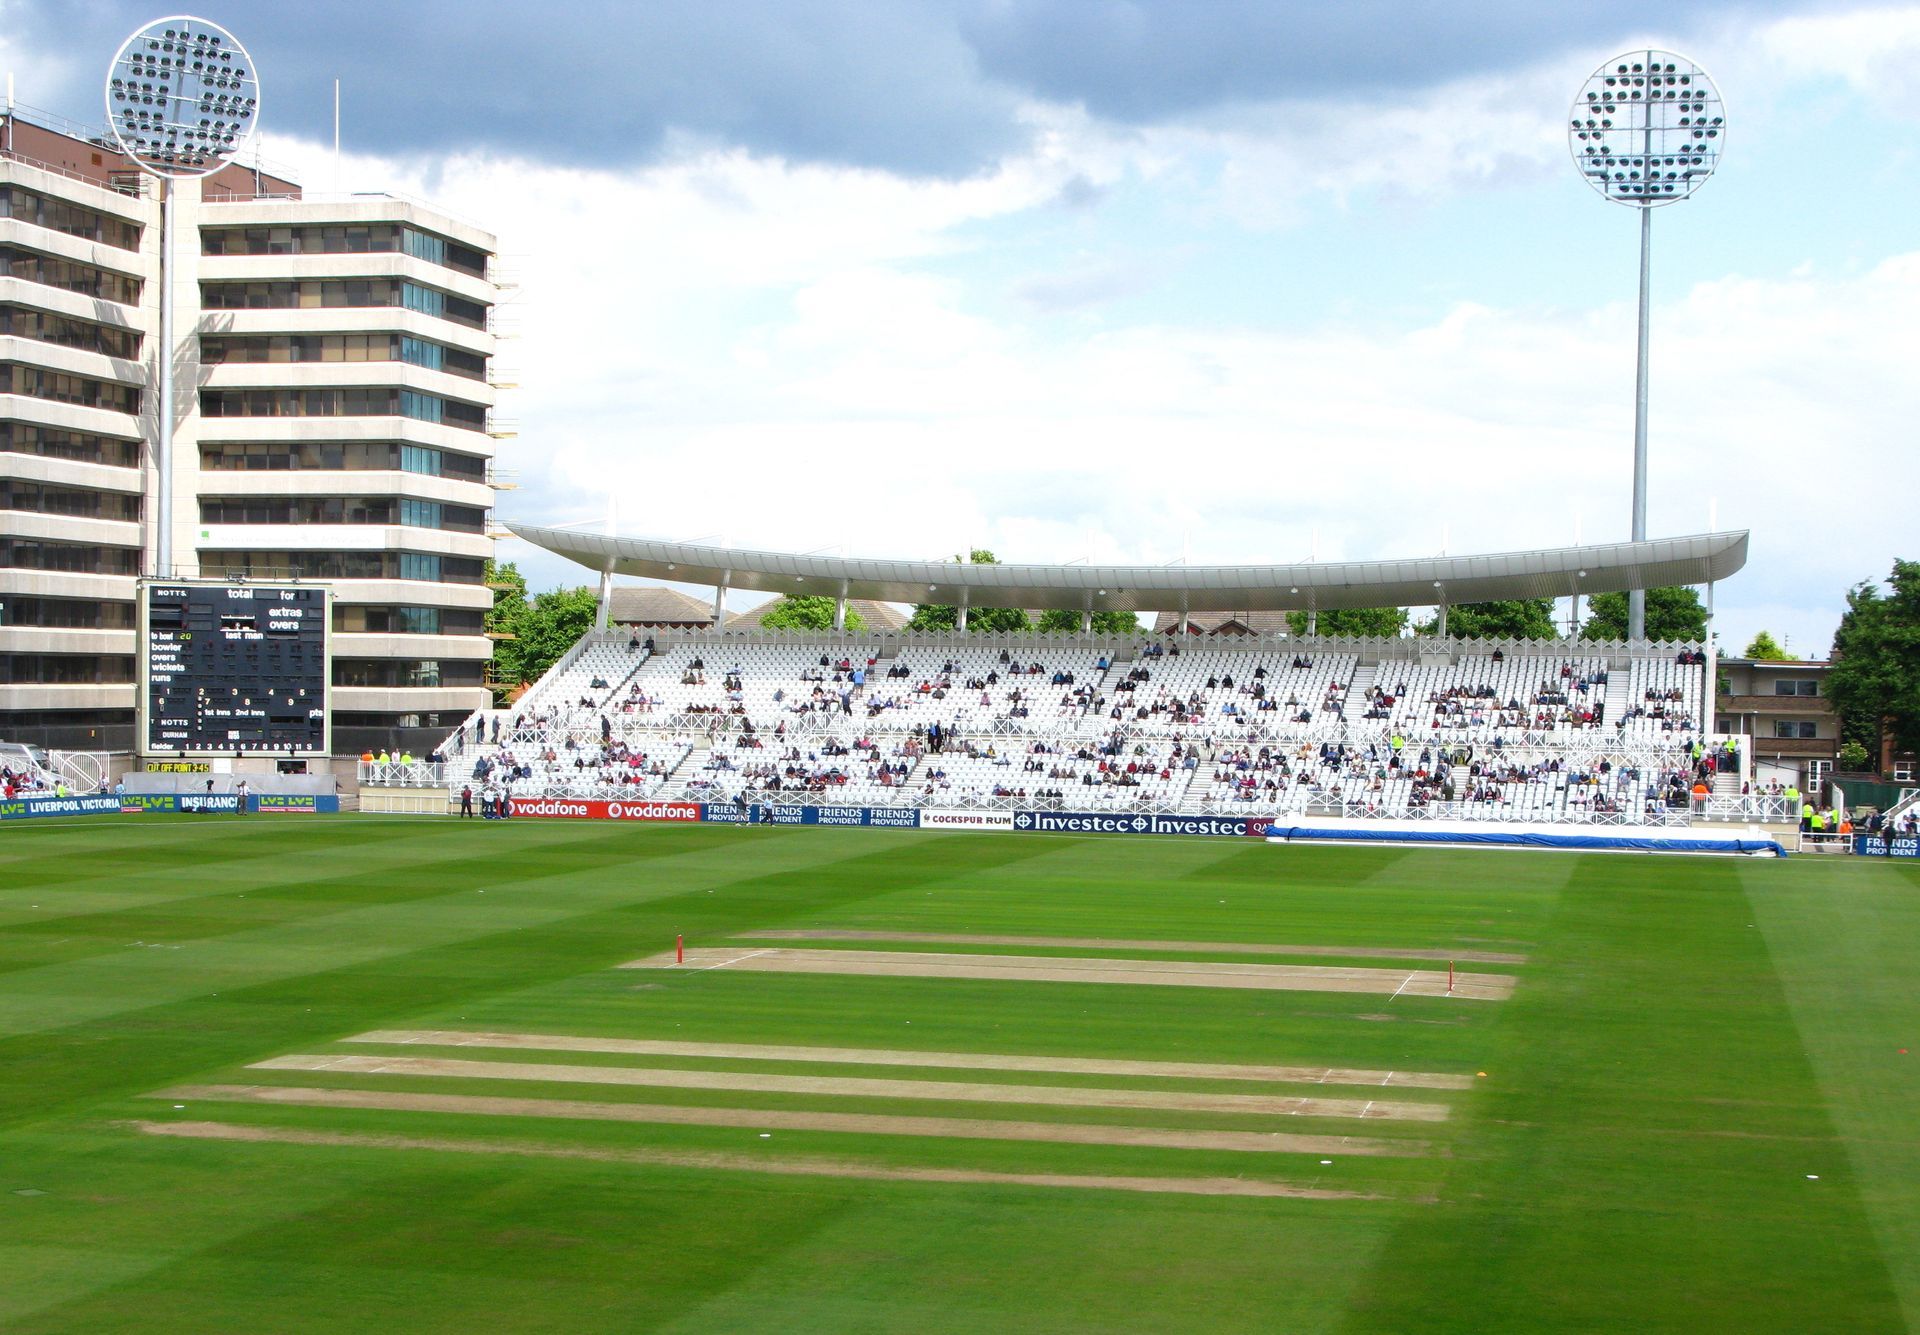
[(235, 668)]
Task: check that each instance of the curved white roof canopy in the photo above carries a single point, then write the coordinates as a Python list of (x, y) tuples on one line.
[(1548, 573)]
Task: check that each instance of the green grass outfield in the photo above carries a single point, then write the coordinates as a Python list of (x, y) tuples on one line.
[(1696, 1113)]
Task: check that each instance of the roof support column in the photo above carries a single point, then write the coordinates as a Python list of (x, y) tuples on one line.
[(1711, 695), (604, 609), (720, 600), (1184, 623), (1441, 589), (840, 608), (960, 613), (1086, 617)]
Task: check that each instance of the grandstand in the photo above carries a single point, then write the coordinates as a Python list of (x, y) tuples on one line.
[(1405, 728), (1401, 728)]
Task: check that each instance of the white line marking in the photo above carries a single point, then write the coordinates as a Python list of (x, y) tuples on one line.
[(771, 950)]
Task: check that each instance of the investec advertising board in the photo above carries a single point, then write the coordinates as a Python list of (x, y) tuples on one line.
[(1091, 822)]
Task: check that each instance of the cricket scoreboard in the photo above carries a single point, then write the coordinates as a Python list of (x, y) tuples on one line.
[(231, 669)]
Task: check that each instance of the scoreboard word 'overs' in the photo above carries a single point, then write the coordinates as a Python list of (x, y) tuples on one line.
[(235, 667)]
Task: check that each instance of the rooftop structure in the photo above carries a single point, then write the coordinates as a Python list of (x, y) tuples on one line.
[(1429, 581)]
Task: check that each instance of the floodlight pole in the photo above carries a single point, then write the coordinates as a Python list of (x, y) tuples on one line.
[(1624, 164), (1637, 598)]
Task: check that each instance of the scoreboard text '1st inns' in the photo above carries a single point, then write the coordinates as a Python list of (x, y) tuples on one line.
[(234, 668)]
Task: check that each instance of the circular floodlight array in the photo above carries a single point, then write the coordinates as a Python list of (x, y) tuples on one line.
[(182, 97), (1647, 129)]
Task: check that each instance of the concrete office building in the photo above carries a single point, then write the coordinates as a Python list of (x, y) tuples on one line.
[(333, 406)]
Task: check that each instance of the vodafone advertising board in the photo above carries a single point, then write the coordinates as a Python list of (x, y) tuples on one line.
[(580, 808)]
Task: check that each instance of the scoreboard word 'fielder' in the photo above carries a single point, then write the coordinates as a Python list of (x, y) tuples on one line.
[(236, 668)]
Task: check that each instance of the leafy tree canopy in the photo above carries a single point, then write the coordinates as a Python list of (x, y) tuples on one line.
[(1378, 621), (1875, 681), (1104, 623), (503, 619), (987, 620), (553, 622), (813, 612), (1509, 619), (1673, 613), (1768, 650)]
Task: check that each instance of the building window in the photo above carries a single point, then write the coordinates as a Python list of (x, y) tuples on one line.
[(1794, 686), (422, 407), (57, 215), (79, 558), (1903, 771), (53, 443), (66, 669), (359, 619), (419, 565), (405, 672), (77, 502), (336, 456), (338, 565), (59, 387), (1793, 728), (344, 239), (67, 613), (66, 332), (68, 276), (419, 352)]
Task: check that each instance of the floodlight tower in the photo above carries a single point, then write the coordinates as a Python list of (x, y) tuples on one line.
[(1647, 129), (183, 100)]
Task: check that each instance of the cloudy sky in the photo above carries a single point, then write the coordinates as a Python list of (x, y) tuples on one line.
[(1132, 280)]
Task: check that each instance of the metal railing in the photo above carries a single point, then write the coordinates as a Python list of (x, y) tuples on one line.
[(402, 774)]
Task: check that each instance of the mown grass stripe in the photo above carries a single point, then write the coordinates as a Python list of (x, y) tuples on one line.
[(977, 1061), (957, 1128)]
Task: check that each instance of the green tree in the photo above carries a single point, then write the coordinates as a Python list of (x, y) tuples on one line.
[(1875, 681), (1057, 619), (1378, 621), (551, 625), (988, 620), (1674, 612), (813, 612), (503, 621), (1510, 619), (1767, 650)]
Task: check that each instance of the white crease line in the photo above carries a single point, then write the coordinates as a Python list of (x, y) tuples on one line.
[(1403, 987), (735, 960)]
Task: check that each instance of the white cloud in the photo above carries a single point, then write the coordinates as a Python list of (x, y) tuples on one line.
[(749, 346)]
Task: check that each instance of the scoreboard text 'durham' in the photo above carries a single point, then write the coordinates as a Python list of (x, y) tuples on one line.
[(232, 668)]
